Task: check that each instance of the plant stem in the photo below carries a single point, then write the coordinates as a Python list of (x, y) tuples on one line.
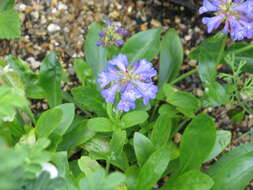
[(241, 103), (179, 127), (107, 167), (183, 76), (244, 49), (154, 111), (250, 132)]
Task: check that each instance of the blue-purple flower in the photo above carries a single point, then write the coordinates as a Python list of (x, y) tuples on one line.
[(111, 35), (237, 16), (130, 80)]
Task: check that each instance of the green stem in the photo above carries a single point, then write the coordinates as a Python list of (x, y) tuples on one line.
[(179, 127), (244, 49), (183, 76), (154, 111), (107, 167), (241, 103), (250, 132)]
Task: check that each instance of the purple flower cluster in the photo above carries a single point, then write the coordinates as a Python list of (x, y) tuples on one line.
[(131, 80), (111, 35), (236, 14)]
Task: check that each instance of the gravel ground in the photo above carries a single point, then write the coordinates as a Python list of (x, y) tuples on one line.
[(61, 25)]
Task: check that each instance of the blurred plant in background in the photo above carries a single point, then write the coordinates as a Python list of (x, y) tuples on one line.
[(9, 20)]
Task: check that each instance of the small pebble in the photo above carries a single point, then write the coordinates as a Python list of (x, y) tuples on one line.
[(62, 6), (53, 28)]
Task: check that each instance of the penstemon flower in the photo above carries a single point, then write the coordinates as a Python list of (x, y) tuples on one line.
[(236, 14), (131, 80), (111, 35)]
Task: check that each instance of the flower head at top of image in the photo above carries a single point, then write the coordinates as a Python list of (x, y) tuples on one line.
[(237, 16), (111, 35), (131, 80)]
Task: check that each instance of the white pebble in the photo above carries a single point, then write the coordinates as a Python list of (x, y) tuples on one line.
[(21, 7), (54, 10), (62, 6), (53, 27)]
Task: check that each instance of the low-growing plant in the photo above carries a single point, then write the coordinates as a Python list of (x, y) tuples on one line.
[(127, 126)]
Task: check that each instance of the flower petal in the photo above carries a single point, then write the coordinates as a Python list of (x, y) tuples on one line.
[(213, 22), (238, 31), (208, 7), (130, 93), (104, 78), (120, 61), (125, 105), (148, 91), (110, 93), (142, 66)]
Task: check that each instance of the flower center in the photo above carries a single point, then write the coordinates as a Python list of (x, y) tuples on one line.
[(226, 8), (128, 75)]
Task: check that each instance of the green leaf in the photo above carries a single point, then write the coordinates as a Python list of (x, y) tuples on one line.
[(90, 98), (68, 113), (48, 122), (83, 72), (10, 172), (131, 177), (185, 102), (44, 182), (236, 115), (197, 142), (115, 179), (229, 157), (191, 180), (117, 143), (143, 148), (161, 131), (10, 100), (100, 124), (60, 160), (9, 77), (243, 56), (234, 174), (153, 168), (171, 57), (215, 95), (50, 79), (88, 165), (169, 110), (9, 24), (79, 135), (29, 78), (99, 180), (142, 45), (223, 139), (95, 56), (134, 118), (6, 4), (209, 55)]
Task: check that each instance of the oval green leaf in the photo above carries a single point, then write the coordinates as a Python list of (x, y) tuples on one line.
[(95, 56), (171, 57), (143, 148), (134, 118), (153, 168), (100, 124), (197, 142), (143, 45)]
